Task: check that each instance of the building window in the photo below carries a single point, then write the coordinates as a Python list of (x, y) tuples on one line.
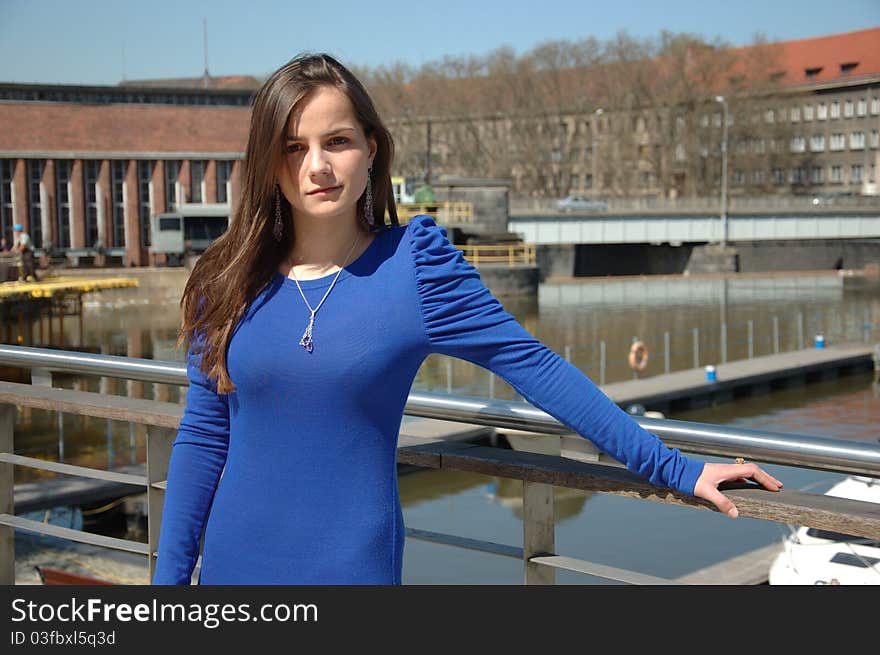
[(812, 73), (848, 67), (875, 106), (822, 111), (808, 112), (798, 144), (837, 173), (861, 107), (224, 172), (778, 176), (856, 177), (817, 175), (795, 114), (704, 120), (848, 110), (835, 109), (797, 175), (875, 139), (172, 173), (196, 177), (758, 176), (145, 176), (768, 116), (62, 202), (117, 186), (857, 141), (817, 143), (7, 167), (92, 169), (738, 177), (35, 168), (680, 154), (837, 141), (759, 146)]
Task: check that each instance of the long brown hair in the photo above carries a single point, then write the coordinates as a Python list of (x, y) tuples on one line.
[(238, 264)]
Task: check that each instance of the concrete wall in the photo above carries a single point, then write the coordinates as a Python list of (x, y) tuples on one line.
[(747, 257), (807, 255), (490, 199)]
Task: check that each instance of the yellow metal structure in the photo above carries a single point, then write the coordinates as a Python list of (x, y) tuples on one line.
[(445, 213), (51, 287), (516, 253)]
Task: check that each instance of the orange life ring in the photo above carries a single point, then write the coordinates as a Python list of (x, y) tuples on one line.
[(638, 356)]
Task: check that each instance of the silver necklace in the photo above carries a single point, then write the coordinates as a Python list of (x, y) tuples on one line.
[(306, 340)]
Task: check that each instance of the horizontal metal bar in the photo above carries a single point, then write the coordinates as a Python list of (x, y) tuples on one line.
[(70, 469), (131, 368), (600, 570), (28, 525), (463, 542), (701, 438)]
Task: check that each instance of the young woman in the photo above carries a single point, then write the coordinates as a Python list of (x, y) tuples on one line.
[(306, 323)]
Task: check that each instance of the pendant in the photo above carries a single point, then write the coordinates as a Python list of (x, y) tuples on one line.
[(306, 340)]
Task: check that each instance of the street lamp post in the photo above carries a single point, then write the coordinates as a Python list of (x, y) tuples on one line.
[(595, 156), (723, 172)]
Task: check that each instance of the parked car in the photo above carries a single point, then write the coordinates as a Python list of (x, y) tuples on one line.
[(580, 203)]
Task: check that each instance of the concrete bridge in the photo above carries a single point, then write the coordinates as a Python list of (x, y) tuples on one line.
[(643, 242)]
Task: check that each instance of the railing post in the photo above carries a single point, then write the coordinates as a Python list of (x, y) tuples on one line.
[(800, 330), (159, 442), (696, 347), (538, 531), (775, 334), (568, 354), (7, 489), (666, 350), (724, 343), (751, 338), (602, 362)]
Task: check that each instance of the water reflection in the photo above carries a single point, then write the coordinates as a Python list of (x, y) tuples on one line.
[(573, 319)]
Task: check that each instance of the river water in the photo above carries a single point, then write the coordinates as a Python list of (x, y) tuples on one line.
[(592, 322)]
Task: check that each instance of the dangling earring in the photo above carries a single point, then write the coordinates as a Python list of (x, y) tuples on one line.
[(278, 228), (368, 200)]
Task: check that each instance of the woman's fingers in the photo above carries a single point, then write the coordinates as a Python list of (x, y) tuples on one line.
[(759, 475), (715, 474), (722, 502)]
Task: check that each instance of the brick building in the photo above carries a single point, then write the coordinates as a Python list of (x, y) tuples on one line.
[(85, 167)]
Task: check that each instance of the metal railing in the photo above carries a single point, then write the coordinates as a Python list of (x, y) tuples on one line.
[(817, 202), (445, 212), (510, 254), (539, 473)]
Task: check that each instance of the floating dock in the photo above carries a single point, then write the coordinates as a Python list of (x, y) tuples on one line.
[(690, 389)]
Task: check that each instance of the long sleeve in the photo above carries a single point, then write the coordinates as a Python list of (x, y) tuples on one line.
[(197, 459), (464, 320)]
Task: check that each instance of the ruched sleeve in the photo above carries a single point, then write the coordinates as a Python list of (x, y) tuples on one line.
[(463, 319), (197, 459)]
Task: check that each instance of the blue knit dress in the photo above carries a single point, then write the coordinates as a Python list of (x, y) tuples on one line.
[(307, 443)]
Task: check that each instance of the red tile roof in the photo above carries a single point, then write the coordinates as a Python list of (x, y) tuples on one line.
[(825, 55)]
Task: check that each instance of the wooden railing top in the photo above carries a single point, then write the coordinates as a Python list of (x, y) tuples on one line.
[(787, 506)]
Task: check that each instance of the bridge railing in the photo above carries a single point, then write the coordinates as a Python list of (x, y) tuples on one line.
[(444, 212), (538, 472), (511, 254), (751, 203)]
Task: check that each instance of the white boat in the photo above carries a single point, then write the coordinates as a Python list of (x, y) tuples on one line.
[(818, 557)]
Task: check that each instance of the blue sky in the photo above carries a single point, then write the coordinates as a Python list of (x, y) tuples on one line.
[(102, 41)]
